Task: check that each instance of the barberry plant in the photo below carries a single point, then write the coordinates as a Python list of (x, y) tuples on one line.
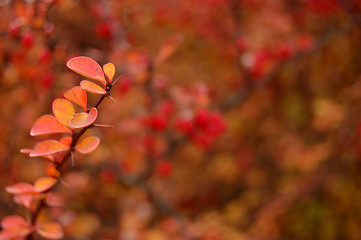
[(37, 197)]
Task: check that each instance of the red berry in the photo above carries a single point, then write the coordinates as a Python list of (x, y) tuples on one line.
[(164, 168), (103, 30), (107, 175), (124, 85), (158, 122), (184, 125), (202, 118), (27, 39), (166, 107), (14, 28)]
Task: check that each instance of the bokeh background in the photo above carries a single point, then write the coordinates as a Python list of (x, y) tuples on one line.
[(235, 119)]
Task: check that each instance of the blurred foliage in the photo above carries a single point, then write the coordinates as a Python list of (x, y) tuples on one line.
[(235, 119)]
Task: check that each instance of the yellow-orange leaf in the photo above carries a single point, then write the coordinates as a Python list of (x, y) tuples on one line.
[(48, 124), (87, 145), (50, 230), (48, 147), (81, 120), (77, 95), (51, 171), (44, 183), (109, 70), (20, 188), (87, 67), (63, 111), (92, 87)]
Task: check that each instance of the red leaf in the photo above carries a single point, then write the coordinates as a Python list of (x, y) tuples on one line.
[(92, 87), (87, 145), (45, 183), (26, 150), (13, 221), (50, 230), (109, 70), (63, 111), (87, 67), (15, 227), (20, 188), (24, 200), (48, 124), (81, 120), (48, 147), (77, 95), (15, 233)]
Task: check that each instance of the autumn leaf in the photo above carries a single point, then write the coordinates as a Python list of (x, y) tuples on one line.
[(87, 145), (48, 147), (20, 188), (45, 183), (66, 141), (48, 124), (14, 227), (81, 120), (168, 49), (51, 171), (109, 70), (77, 95), (50, 230), (63, 111), (13, 221), (24, 200), (87, 67), (92, 87)]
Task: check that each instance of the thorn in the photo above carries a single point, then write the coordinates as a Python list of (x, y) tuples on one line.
[(112, 98), (103, 125), (116, 80), (72, 159), (63, 182)]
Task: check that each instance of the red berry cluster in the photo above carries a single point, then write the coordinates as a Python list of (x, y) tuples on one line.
[(203, 128)]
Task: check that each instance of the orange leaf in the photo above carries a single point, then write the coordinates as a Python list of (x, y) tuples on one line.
[(66, 141), (63, 111), (87, 145), (50, 230), (109, 70), (168, 49), (87, 67), (92, 87), (20, 188), (81, 120), (13, 221), (51, 171), (48, 124), (45, 183), (48, 147), (77, 95)]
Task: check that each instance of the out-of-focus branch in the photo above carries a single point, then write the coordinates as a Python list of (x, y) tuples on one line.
[(322, 41)]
